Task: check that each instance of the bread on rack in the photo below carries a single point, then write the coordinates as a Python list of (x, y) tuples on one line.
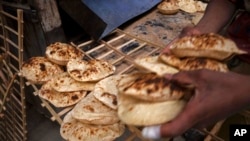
[(60, 99), (65, 83), (106, 90), (60, 53), (39, 69), (91, 111), (92, 70), (74, 130)]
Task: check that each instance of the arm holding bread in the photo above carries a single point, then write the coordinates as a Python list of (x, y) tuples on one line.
[(218, 95), (215, 98), (217, 15)]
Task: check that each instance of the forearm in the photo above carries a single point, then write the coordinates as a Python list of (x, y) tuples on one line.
[(218, 13)]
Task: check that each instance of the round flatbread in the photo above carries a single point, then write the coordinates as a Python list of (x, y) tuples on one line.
[(106, 90), (187, 6), (168, 7), (194, 63), (60, 99), (205, 45), (200, 6), (91, 111), (92, 70), (74, 130), (151, 87), (138, 112), (61, 53), (38, 70), (153, 64), (65, 83)]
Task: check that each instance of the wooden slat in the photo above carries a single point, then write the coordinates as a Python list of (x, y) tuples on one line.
[(9, 15)]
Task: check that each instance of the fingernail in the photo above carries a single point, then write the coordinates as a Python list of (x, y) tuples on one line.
[(151, 132)]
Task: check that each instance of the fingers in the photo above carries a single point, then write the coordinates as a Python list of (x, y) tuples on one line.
[(188, 31), (166, 50), (184, 121), (185, 77)]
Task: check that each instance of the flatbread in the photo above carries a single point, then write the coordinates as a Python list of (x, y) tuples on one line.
[(61, 53), (68, 125), (194, 63), (60, 99), (187, 6), (153, 64), (91, 111), (92, 70), (205, 45), (200, 6), (65, 83), (168, 7), (38, 70), (132, 111), (74, 130), (106, 90), (151, 87)]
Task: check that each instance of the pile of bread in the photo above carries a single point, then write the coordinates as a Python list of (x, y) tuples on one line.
[(173, 6), (104, 102), (66, 79)]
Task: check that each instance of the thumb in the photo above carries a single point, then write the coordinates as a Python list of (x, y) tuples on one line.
[(185, 77), (166, 50)]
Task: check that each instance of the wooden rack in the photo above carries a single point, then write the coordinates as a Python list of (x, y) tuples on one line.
[(12, 95), (120, 49)]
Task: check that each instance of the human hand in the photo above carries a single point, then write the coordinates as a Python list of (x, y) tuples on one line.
[(187, 31), (217, 96)]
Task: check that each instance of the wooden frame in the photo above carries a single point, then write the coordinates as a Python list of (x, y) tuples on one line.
[(12, 95)]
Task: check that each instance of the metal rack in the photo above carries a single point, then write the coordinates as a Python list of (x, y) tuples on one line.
[(12, 95)]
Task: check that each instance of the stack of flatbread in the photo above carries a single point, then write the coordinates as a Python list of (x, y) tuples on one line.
[(80, 77), (146, 99), (65, 77), (95, 117), (173, 6), (74, 130), (205, 51), (150, 98)]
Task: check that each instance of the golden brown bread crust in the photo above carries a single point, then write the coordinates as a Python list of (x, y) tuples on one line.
[(168, 7), (106, 90), (92, 70), (65, 83), (205, 45), (151, 87), (60, 99), (38, 70), (61, 53), (92, 111), (192, 63), (74, 130)]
